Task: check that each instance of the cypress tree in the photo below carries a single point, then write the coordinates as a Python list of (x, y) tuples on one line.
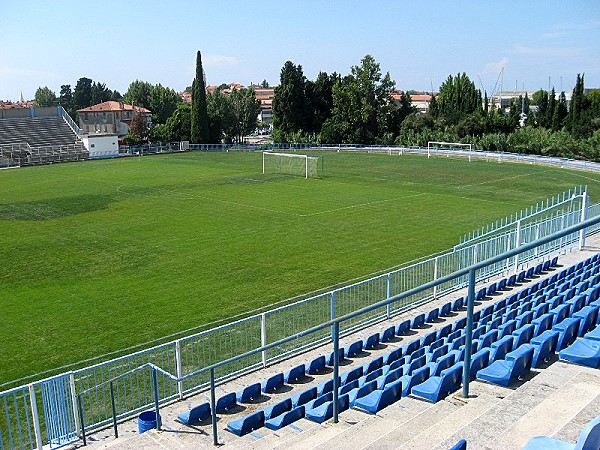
[(199, 128)]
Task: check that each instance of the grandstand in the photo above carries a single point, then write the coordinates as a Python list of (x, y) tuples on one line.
[(38, 136)]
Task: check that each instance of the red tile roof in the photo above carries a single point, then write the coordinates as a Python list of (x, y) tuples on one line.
[(113, 106)]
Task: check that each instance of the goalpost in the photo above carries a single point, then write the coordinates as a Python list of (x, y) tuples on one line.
[(432, 144), (290, 164)]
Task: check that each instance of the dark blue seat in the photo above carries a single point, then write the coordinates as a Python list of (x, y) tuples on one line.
[(354, 349), (326, 386), (432, 315), (371, 342), (588, 316), (507, 328), (278, 408), (403, 328), (542, 323), (360, 392), (479, 360), (458, 304), (319, 401), (480, 294), (446, 361), (340, 357), (273, 383), (436, 344), (540, 310), (226, 402), (478, 331), (589, 439), (445, 309), (494, 323), (195, 415), (247, 423), (285, 419), (303, 397), (372, 365), (428, 338), (524, 318), (436, 353), (351, 375), (504, 372), (249, 393), (457, 343), (295, 374), (379, 399), (388, 378), (486, 339), (392, 356), (412, 346), (560, 313), (567, 329), (316, 365), (583, 351), (348, 387), (491, 289), (544, 347), (460, 445), (437, 388), (370, 377), (444, 331), (500, 348), (512, 280), (418, 321), (408, 381), (460, 324), (523, 335), (454, 335), (388, 334), (325, 411)]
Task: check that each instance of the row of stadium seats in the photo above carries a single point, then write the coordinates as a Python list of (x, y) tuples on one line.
[(430, 366)]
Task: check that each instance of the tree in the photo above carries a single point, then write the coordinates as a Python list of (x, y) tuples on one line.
[(66, 99), (577, 122), (245, 110), (560, 113), (291, 110), (138, 127), (362, 102), (179, 124), (220, 116), (163, 102), (458, 97), (199, 119), (82, 95), (45, 97), (264, 84), (99, 93), (138, 94)]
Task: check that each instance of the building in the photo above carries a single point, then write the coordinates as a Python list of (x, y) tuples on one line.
[(501, 100), (110, 118), (420, 100)]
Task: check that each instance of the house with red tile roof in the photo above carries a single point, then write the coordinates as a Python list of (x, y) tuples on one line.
[(111, 118)]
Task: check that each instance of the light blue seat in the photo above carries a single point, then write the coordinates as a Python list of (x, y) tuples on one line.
[(589, 439), (522, 335), (544, 347), (195, 415), (295, 374), (379, 399), (594, 334), (500, 348), (583, 351), (437, 388), (247, 423), (285, 419), (273, 383), (325, 411), (408, 381), (361, 392), (567, 329), (504, 372), (249, 393)]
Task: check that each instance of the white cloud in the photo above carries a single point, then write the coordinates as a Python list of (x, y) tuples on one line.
[(494, 67), (555, 52)]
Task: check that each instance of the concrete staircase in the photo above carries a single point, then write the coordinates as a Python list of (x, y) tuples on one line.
[(37, 132)]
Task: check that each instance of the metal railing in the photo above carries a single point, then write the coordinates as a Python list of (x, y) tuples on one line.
[(231, 349)]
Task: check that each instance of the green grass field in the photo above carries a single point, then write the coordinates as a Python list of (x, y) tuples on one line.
[(100, 256)]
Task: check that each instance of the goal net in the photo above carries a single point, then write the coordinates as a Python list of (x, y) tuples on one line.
[(291, 164), (451, 146)]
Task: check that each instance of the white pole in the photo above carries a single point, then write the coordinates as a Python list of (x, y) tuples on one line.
[(179, 368), (584, 203), (35, 417), (263, 163), (263, 337), (74, 400), (306, 166)]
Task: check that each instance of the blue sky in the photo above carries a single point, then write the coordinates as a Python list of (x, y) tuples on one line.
[(51, 43)]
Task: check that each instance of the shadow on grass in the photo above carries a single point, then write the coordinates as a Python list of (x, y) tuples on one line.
[(54, 208)]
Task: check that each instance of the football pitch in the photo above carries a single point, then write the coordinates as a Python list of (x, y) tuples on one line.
[(103, 257)]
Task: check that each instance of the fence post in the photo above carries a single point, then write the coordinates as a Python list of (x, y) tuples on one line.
[(213, 410), (336, 369), (435, 276), (179, 368), (263, 337), (517, 244), (584, 203), (332, 311), (388, 293), (155, 385), (114, 409), (469, 334), (35, 417), (82, 420), (74, 399)]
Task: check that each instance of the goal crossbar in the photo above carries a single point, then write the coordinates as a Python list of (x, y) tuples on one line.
[(448, 145), (307, 159)]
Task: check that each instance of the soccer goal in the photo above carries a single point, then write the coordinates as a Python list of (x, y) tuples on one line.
[(290, 164), (448, 145)]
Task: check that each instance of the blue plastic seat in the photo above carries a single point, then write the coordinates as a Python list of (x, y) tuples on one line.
[(445, 309), (226, 402), (510, 315), (524, 318), (303, 397), (418, 321), (460, 445), (454, 335), (432, 316), (593, 334), (373, 365), (273, 383), (414, 364), (408, 381), (319, 401), (247, 423), (512, 280), (577, 303), (588, 316), (504, 372), (444, 331), (544, 347), (442, 364), (428, 338), (368, 377), (295, 374), (488, 338), (491, 289), (437, 388), (380, 398), (195, 415), (494, 323), (460, 324), (589, 439), (351, 375), (326, 386), (507, 328), (436, 353), (348, 387), (285, 419), (500, 348), (392, 356), (354, 349), (316, 365), (249, 393), (388, 334), (567, 329), (371, 342), (542, 323), (388, 378), (523, 335), (359, 392), (403, 328), (583, 351), (560, 313), (435, 344), (458, 304), (479, 360), (340, 356), (540, 310), (325, 411), (278, 408), (414, 350)]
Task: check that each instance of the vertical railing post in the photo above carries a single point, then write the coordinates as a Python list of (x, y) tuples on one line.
[(388, 293), (74, 399), (517, 244), (114, 409), (435, 276), (156, 398), (213, 407), (332, 316), (35, 417), (263, 338), (584, 207), (179, 368), (469, 333), (336, 369), (81, 420)]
